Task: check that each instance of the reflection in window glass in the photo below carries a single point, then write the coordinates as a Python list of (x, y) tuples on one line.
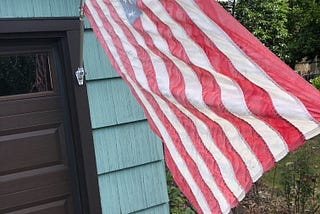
[(24, 73)]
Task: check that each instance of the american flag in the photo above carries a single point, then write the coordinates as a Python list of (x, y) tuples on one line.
[(225, 107), (42, 74)]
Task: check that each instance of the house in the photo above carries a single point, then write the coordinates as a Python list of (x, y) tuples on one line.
[(308, 68), (67, 148)]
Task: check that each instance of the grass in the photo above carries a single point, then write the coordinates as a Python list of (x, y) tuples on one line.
[(295, 180), (311, 148)]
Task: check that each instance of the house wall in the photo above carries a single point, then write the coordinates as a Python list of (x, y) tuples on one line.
[(131, 171), (129, 156)]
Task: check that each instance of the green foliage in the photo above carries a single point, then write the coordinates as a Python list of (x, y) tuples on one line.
[(304, 26), (316, 82), (289, 28), (298, 180), (178, 203), (267, 20)]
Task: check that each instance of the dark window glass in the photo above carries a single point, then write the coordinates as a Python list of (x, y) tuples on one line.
[(24, 73)]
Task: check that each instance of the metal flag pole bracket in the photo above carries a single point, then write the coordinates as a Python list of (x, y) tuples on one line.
[(80, 73)]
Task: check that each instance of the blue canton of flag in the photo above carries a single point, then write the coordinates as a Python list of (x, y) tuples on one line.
[(131, 9)]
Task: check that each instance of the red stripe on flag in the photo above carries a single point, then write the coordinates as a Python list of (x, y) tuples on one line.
[(281, 73), (179, 180)]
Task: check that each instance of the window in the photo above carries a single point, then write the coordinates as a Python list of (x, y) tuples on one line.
[(24, 73)]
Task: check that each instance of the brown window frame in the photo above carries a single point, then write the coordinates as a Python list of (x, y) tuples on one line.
[(66, 30)]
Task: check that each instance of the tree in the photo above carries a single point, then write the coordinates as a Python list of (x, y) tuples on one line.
[(289, 28), (267, 20), (304, 26)]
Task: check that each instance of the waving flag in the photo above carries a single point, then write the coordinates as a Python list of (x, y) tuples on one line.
[(225, 107)]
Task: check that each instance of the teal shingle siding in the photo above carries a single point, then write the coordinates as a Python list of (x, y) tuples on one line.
[(118, 106), (133, 189), (38, 8), (129, 156), (113, 143)]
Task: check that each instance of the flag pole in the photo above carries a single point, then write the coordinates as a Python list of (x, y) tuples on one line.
[(81, 18), (80, 72)]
